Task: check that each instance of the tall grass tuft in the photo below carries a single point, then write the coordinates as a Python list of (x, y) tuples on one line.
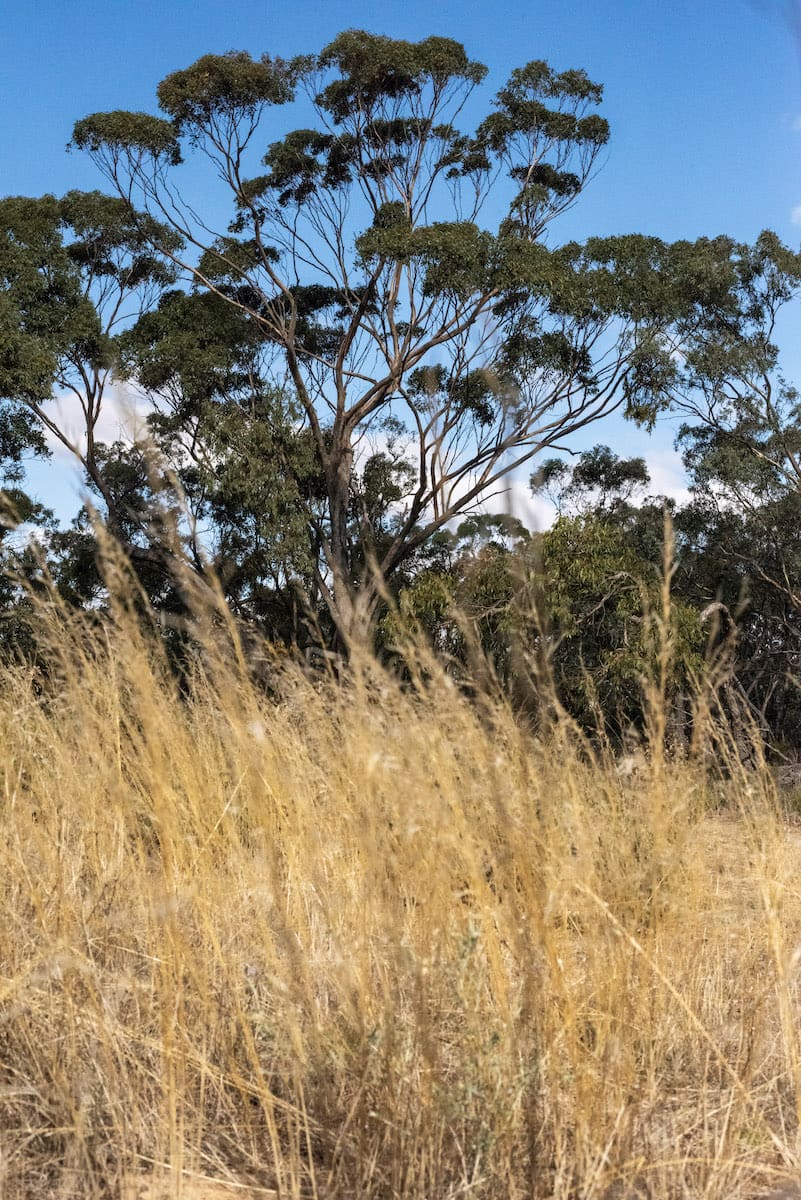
[(361, 938)]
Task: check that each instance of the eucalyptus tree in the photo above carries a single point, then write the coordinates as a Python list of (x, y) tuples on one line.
[(738, 402), (232, 443), (398, 267), (74, 272)]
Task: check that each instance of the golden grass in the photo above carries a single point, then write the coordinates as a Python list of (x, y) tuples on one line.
[(355, 940)]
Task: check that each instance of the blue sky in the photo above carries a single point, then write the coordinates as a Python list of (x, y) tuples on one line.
[(704, 97)]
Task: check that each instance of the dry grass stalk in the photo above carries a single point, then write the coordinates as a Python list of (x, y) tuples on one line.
[(362, 940)]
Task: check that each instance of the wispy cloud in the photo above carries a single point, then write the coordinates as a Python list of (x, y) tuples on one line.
[(668, 477), (514, 497), (795, 215), (122, 419)]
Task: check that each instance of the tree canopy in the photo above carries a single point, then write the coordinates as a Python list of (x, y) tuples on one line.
[(362, 328), (399, 279)]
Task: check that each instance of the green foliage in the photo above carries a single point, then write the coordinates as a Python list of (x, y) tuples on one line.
[(599, 480), (373, 69), (133, 133), (196, 347), (223, 85), (43, 309), (385, 331), (466, 597), (396, 266), (601, 592), (59, 262)]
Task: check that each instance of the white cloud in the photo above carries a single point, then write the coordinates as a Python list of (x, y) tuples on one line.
[(514, 495), (664, 465), (122, 418), (58, 482), (667, 475), (516, 499), (795, 215)]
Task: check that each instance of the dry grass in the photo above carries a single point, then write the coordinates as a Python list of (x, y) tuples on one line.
[(361, 941)]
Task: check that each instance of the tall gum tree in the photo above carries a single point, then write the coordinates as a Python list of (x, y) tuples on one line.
[(74, 272), (401, 272)]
